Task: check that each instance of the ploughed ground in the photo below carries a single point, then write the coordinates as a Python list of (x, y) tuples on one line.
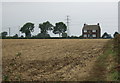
[(50, 59)]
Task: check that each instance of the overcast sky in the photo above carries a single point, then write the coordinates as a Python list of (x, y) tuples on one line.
[(16, 14)]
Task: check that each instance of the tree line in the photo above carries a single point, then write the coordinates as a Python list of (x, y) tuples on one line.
[(59, 28)]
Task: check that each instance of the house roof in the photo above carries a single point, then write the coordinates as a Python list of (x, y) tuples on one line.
[(106, 34), (91, 27)]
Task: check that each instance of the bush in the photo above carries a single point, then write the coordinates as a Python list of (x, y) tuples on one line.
[(43, 35), (64, 34)]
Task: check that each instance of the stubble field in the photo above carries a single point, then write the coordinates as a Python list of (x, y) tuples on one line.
[(49, 59)]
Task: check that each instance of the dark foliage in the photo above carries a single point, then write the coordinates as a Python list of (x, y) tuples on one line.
[(4, 34), (59, 28), (64, 34), (27, 29), (15, 36), (45, 27), (43, 35), (115, 34)]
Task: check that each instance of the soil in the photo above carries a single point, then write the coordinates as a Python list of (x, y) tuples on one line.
[(50, 59)]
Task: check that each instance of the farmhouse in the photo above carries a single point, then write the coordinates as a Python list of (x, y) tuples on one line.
[(91, 31)]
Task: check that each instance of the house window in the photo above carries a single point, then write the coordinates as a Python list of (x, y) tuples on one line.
[(93, 30), (85, 35), (88, 35), (105, 36), (94, 35), (85, 30)]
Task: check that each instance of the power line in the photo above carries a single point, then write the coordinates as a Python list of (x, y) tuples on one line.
[(68, 21)]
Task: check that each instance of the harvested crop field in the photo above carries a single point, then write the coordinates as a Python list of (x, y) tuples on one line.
[(49, 59)]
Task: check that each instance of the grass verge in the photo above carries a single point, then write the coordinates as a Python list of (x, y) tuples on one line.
[(104, 67)]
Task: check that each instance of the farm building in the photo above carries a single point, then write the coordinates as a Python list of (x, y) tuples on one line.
[(106, 36), (91, 31)]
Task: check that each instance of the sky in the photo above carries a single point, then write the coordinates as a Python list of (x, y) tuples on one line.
[(16, 14)]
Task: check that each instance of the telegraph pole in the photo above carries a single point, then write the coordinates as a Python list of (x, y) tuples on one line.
[(9, 31)]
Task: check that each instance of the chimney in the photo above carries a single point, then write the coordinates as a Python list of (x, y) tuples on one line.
[(84, 24), (98, 24)]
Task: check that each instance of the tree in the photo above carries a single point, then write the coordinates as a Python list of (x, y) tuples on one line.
[(4, 34), (22, 36), (81, 36), (59, 28), (73, 36), (15, 36), (116, 33), (27, 29), (45, 27), (64, 34)]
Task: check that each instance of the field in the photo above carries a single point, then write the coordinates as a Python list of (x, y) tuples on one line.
[(50, 59)]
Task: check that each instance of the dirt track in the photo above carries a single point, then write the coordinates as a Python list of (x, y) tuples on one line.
[(50, 59)]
